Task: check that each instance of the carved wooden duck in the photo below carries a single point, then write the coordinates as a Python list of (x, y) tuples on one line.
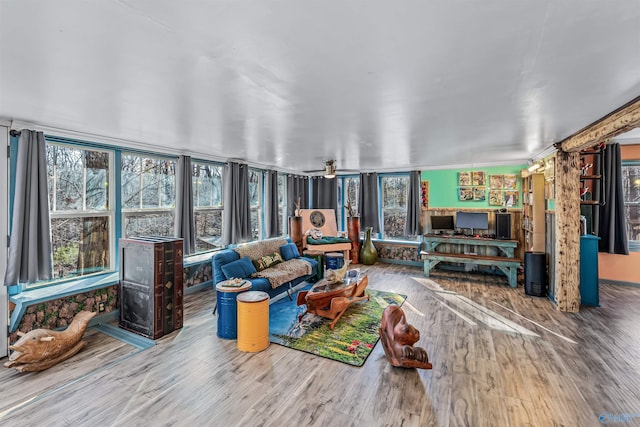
[(334, 276), (42, 348)]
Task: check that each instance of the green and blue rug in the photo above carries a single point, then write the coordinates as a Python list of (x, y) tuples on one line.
[(353, 338)]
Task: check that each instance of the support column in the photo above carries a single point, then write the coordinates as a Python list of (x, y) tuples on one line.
[(567, 256)]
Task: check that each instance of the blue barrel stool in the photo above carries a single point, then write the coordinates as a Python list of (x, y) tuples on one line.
[(227, 307), (335, 260)]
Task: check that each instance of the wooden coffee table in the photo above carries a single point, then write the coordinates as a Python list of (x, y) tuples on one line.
[(331, 300)]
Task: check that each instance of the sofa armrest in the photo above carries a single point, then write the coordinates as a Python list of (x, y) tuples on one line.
[(219, 259)]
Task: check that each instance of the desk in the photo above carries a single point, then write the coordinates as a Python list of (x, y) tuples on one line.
[(506, 263), (505, 247)]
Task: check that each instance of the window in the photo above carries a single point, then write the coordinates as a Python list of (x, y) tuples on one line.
[(81, 210), (207, 205), (348, 190), (282, 204), (631, 189), (148, 196), (395, 190), (255, 198)]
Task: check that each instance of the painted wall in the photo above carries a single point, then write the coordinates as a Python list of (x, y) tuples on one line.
[(443, 186), (622, 268)]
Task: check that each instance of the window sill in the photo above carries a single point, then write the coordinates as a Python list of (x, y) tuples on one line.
[(47, 293)]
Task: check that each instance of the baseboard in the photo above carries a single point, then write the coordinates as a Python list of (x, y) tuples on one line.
[(199, 287), (401, 262), (618, 283), (135, 340)]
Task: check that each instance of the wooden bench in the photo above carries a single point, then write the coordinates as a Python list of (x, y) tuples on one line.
[(509, 266)]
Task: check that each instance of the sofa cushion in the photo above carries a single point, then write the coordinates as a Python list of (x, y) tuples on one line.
[(241, 268), (289, 251), (267, 261)]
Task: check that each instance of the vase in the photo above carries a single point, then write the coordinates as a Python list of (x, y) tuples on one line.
[(353, 232), (368, 252)]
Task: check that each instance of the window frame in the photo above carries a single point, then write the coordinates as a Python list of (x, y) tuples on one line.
[(258, 208), (634, 245), (127, 212), (204, 209), (109, 213), (381, 177)]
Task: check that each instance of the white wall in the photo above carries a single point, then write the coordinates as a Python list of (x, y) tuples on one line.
[(4, 221)]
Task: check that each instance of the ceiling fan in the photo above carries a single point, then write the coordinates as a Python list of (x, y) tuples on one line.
[(329, 169)]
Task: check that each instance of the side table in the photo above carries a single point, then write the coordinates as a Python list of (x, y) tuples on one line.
[(227, 307)]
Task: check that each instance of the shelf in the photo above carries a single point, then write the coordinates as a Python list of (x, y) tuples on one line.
[(589, 202), (590, 176)]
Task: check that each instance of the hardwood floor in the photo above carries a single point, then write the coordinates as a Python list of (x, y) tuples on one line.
[(500, 358)]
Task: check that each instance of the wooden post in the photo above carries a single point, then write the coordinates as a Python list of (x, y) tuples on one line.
[(295, 231), (353, 230), (567, 256)]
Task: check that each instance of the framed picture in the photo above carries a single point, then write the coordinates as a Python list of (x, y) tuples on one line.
[(424, 188), (496, 198), (479, 178), (510, 182), (465, 193), (464, 178), (479, 193), (496, 182), (511, 198)]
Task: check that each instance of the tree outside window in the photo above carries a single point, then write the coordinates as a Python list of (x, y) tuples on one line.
[(395, 191), (255, 198), (631, 190), (207, 205), (148, 196), (80, 203), (282, 204)]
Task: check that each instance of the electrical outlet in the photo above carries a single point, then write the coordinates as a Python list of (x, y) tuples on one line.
[(101, 307)]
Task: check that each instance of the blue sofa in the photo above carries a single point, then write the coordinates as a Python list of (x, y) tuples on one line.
[(221, 262)]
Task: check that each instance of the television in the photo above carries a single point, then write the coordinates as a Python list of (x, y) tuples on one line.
[(442, 222), (472, 220)]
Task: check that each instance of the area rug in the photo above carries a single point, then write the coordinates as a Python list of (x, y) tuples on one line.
[(353, 338)]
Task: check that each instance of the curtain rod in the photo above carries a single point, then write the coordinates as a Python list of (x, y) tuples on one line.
[(14, 132)]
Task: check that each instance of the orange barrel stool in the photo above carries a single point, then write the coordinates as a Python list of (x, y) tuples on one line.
[(253, 321)]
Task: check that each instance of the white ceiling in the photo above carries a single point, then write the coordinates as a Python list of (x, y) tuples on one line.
[(377, 84)]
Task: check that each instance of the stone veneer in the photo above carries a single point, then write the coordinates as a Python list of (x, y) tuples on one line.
[(59, 313)]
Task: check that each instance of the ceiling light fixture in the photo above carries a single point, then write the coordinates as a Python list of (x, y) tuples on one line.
[(330, 169), (534, 166)]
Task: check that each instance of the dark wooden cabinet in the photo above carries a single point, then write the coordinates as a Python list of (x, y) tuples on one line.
[(151, 285)]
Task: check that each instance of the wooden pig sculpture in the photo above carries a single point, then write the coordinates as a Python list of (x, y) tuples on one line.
[(398, 338), (40, 349)]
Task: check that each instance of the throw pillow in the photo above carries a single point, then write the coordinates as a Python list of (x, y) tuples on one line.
[(267, 261), (289, 251), (240, 268)]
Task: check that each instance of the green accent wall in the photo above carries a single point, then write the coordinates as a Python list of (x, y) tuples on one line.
[(443, 186)]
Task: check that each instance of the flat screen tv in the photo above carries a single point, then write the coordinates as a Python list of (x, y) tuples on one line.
[(442, 222), (472, 220)]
